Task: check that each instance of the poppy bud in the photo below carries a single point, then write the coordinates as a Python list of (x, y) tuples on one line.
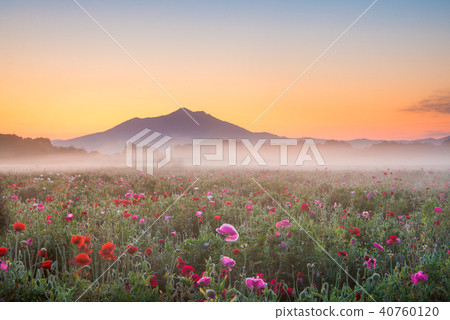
[(211, 293)]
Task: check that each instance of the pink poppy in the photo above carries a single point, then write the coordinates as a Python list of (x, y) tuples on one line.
[(283, 224), (228, 262), (142, 221), (199, 214), (229, 232), (203, 282), (69, 217), (255, 283), (371, 263), (378, 246), (3, 266), (419, 276)]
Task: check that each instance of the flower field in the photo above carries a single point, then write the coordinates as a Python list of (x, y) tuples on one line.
[(225, 236)]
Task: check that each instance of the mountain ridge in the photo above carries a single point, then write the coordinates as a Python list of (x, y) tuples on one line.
[(182, 129)]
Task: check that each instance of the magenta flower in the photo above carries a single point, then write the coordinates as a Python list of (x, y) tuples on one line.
[(437, 210), (378, 246), (199, 214), (228, 262), (371, 263), (29, 241), (249, 207), (13, 198), (69, 217), (283, 224), (229, 232), (255, 283), (135, 217), (3, 265), (203, 282), (142, 221), (419, 276), (283, 244)]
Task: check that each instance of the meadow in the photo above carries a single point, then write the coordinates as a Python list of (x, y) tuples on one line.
[(324, 235)]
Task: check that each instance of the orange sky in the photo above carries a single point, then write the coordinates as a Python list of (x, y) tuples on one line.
[(62, 77)]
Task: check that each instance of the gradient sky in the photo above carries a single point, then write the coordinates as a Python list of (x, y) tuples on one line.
[(387, 78)]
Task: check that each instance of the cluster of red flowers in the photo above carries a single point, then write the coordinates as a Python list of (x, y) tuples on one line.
[(84, 244)]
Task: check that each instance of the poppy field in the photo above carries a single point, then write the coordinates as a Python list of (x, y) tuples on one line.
[(324, 235)]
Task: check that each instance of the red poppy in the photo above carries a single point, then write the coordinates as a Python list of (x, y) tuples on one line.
[(355, 231), (393, 239), (78, 240), (228, 203), (3, 251), (181, 263), (126, 215), (217, 217), (153, 281), (358, 296), (148, 251), (236, 251), (47, 265), (107, 251), (343, 253), (131, 249), (43, 253), (84, 212), (305, 207), (187, 270), (19, 226), (82, 259)]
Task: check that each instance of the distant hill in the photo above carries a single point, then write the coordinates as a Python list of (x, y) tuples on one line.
[(13, 146)]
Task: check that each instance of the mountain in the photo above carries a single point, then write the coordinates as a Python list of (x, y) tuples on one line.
[(182, 129), (177, 125)]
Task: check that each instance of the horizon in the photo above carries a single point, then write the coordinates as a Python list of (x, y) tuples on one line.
[(199, 111), (386, 79)]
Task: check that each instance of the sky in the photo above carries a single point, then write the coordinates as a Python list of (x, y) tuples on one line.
[(388, 77)]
